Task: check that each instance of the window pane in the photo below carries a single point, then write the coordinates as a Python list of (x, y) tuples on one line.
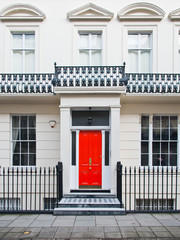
[(156, 160), (133, 41), (23, 134), (24, 147), (156, 122), (173, 160), (165, 122), (156, 134), (144, 41), (84, 41), (156, 147), (23, 122), (16, 159), (96, 41), (145, 61), (84, 58), (17, 41), (96, 58), (17, 61), (29, 61), (32, 147), (144, 159), (15, 134), (16, 147), (32, 134), (24, 159), (145, 134), (32, 159), (173, 121), (145, 121), (15, 121), (164, 160), (133, 61), (173, 147), (144, 147), (164, 147), (32, 121), (165, 134), (30, 41), (173, 134)]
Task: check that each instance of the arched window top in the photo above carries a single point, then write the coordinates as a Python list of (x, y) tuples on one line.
[(175, 15), (90, 12), (141, 11), (21, 12)]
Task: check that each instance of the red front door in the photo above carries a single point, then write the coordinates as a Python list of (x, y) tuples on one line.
[(90, 159)]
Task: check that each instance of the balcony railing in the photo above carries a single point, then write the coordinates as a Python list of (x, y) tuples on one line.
[(89, 77)]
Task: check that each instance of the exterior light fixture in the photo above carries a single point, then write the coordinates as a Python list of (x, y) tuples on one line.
[(90, 120), (52, 123)]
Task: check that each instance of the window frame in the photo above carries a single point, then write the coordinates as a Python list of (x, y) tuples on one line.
[(151, 140), (12, 141)]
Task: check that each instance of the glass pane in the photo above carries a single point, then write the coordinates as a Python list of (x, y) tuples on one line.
[(144, 147), (164, 147), (165, 134), (15, 134), (145, 121), (156, 122), (16, 159), (17, 61), (17, 41), (106, 148), (16, 147), (32, 134), (23, 134), (156, 160), (156, 134), (173, 121), (73, 149), (145, 134), (173, 134), (173, 160), (32, 147), (24, 147), (133, 61), (164, 160), (29, 61), (133, 41), (96, 58), (24, 159), (84, 41), (156, 147), (84, 58), (144, 159), (30, 41), (173, 147), (32, 159), (145, 61), (23, 122), (165, 122), (32, 121), (144, 41), (96, 41), (15, 121)]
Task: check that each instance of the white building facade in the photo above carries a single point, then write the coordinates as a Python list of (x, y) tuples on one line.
[(90, 111)]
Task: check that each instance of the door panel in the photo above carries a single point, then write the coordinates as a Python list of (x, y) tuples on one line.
[(90, 159)]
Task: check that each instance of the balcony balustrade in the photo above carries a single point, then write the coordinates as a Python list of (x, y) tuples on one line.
[(89, 77)]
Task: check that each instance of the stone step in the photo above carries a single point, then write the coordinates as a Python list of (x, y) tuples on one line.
[(89, 195), (89, 211)]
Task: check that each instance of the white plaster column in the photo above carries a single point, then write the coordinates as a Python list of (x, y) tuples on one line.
[(115, 143), (65, 122)]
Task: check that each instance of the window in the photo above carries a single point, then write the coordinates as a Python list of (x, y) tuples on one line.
[(179, 50), (90, 49), (23, 51), (23, 140), (164, 141), (139, 52)]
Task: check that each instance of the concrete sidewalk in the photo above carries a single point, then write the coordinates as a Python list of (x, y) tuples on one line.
[(47, 226)]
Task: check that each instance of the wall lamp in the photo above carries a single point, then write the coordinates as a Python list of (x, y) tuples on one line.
[(52, 123), (90, 120)]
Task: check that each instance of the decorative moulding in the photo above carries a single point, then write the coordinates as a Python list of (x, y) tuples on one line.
[(90, 12), (21, 12), (174, 15), (141, 11)]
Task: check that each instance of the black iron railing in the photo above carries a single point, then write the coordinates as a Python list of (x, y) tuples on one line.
[(148, 189), (30, 189)]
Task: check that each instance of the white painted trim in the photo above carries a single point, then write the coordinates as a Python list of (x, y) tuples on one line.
[(176, 47), (174, 15), (89, 90)]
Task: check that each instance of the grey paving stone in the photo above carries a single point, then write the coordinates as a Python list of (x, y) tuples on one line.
[(9, 216), (84, 223), (176, 215), (143, 216), (126, 229), (88, 218), (64, 223), (98, 234), (169, 222), (62, 235), (34, 229), (64, 229), (175, 231), (41, 223), (95, 229), (158, 229), (113, 235), (2, 234), (143, 229), (128, 223), (5, 229), (83, 235), (163, 216), (12, 235), (49, 229), (125, 217), (65, 217), (129, 234), (106, 222), (165, 234), (18, 229), (21, 222), (111, 229), (149, 222), (31, 235), (80, 229), (47, 217), (28, 216), (4, 223), (45, 235), (144, 234)]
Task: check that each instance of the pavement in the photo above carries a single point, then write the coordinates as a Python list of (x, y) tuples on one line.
[(130, 226)]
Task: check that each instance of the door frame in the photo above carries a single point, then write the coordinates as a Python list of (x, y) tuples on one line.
[(106, 170)]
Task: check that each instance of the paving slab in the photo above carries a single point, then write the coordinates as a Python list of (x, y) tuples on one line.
[(21, 222), (174, 231), (128, 223), (47, 217), (149, 222), (64, 223), (82, 235), (41, 223), (111, 229), (144, 234), (164, 234), (80, 229), (84, 223), (34, 229), (31, 235), (98, 234), (62, 235), (64, 229), (158, 229), (163, 216), (169, 222), (8, 216), (112, 235), (12, 235), (125, 217), (18, 229), (5, 229), (4, 223), (88, 218), (2, 234)]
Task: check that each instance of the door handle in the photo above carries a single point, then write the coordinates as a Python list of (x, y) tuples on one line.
[(90, 161)]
